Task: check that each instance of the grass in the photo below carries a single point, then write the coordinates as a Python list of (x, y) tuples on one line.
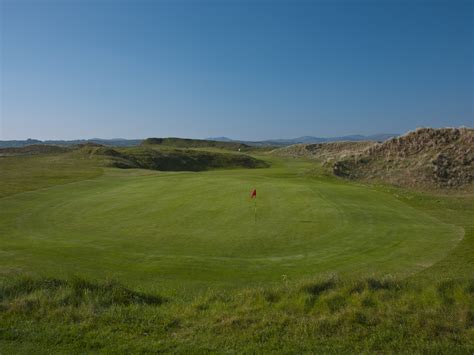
[(328, 266), (193, 143), (165, 158), (322, 315), (185, 228), (27, 173)]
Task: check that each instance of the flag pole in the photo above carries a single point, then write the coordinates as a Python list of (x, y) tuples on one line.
[(255, 209), (254, 197)]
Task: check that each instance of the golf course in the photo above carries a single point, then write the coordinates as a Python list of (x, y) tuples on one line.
[(177, 228), (236, 177), (183, 253)]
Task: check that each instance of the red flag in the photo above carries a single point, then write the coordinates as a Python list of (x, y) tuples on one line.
[(254, 194)]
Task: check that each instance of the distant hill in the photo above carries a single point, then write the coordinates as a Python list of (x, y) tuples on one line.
[(424, 158), (220, 139)]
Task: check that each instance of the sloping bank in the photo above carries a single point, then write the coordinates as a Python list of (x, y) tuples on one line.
[(173, 159)]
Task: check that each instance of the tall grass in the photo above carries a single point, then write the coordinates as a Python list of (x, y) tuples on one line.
[(327, 314)]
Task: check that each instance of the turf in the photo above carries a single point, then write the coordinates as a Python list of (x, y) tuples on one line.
[(185, 228), (328, 266), (25, 173)]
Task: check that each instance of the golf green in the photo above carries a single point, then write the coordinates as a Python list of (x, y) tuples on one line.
[(155, 228)]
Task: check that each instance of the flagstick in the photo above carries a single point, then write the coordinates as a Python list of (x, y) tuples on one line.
[(255, 209)]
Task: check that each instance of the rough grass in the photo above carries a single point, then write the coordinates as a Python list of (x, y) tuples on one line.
[(321, 315), (424, 159), (33, 149), (324, 152), (171, 159), (195, 143)]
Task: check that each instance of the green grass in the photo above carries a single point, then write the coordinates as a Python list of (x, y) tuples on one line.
[(164, 158), (26, 173), (323, 315), (184, 228), (328, 266), (195, 143)]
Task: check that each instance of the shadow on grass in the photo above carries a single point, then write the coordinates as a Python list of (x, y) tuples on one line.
[(77, 291)]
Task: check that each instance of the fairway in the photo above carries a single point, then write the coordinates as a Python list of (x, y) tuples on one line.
[(197, 229)]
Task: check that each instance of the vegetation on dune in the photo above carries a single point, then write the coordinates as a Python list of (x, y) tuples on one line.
[(324, 152), (195, 143), (173, 159), (425, 158), (33, 149)]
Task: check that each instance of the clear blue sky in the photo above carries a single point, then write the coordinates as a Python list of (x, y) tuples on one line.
[(243, 69)]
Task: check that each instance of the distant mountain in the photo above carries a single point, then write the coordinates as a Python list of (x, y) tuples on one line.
[(121, 142), (19, 143), (311, 139), (220, 139), (116, 142)]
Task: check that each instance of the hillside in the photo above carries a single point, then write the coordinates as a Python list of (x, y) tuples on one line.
[(194, 143), (172, 159), (425, 158), (33, 150), (324, 151)]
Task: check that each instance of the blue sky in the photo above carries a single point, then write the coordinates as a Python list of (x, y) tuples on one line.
[(243, 69)]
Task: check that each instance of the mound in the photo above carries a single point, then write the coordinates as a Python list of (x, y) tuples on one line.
[(173, 159), (324, 151), (33, 149), (194, 143), (424, 158)]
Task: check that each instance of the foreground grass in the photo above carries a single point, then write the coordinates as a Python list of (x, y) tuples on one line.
[(323, 315)]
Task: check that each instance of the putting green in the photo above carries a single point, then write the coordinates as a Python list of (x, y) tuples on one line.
[(199, 228)]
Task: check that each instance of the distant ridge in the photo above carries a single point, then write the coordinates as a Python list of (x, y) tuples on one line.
[(220, 139), (381, 137), (116, 142), (121, 142)]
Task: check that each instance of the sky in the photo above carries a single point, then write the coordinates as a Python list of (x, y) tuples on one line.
[(243, 69)]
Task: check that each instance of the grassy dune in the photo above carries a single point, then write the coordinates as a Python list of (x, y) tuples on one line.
[(328, 266), (165, 158)]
